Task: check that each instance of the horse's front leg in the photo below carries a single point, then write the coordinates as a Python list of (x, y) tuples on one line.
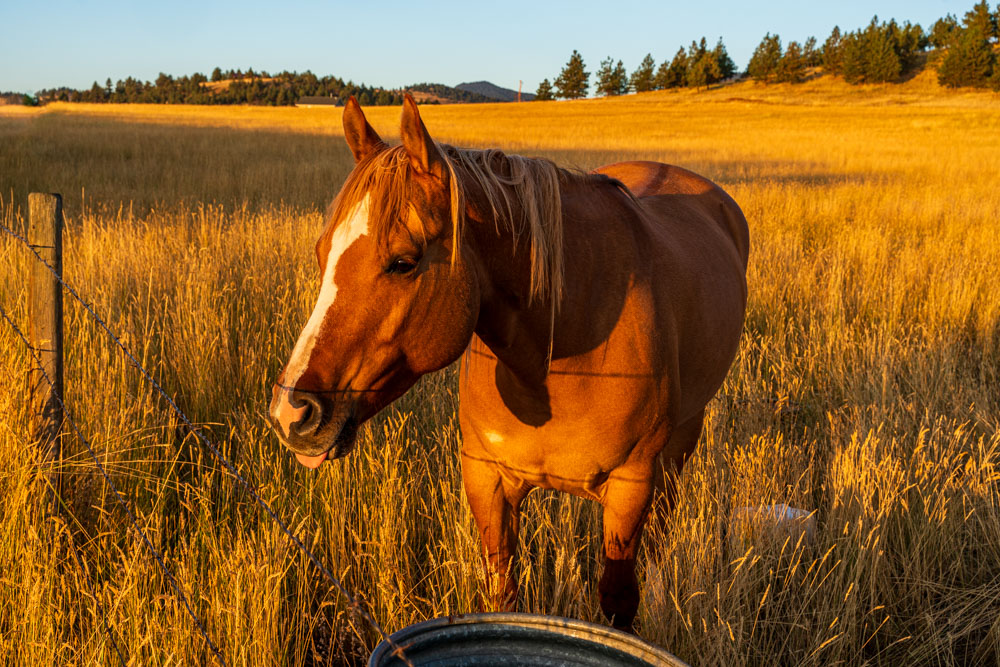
[(497, 511), (626, 502)]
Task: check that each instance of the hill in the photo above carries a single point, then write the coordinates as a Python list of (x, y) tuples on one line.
[(493, 91), (438, 93)]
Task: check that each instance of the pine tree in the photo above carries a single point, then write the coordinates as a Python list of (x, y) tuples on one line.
[(910, 40), (726, 66), (217, 74), (603, 74), (620, 79), (611, 79), (882, 63), (980, 19), (791, 68), (573, 81), (544, 92), (704, 66), (852, 54), (876, 54), (969, 61), (704, 71), (662, 76), (674, 74), (763, 65), (833, 55), (943, 31), (811, 56), (642, 78), (696, 51)]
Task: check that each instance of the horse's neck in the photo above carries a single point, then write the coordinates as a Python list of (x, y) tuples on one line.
[(520, 330), (514, 326)]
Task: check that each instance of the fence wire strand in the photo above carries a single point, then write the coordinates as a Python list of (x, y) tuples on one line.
[(121, 500), (353, 603)]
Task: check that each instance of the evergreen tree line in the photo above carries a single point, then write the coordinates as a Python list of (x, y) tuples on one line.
[(886, 52), (697, 66), (879, 53), (882, 52), (259, 88)]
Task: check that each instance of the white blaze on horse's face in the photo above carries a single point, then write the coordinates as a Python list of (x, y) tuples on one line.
[(392, 305), (344, 236)]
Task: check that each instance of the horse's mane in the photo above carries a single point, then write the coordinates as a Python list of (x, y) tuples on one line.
[(523, 194), (515, 187)]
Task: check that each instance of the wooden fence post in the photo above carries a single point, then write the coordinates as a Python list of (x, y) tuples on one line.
[(45, 329)]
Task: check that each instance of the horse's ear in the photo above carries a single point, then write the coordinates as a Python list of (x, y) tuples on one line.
[(360, 136), (425, 156)]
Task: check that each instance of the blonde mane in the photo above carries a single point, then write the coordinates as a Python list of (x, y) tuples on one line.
[(522, 194)]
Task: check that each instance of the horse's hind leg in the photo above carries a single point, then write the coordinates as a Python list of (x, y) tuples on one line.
[(626, 503), (682, 441), (497, 512), (680, 445), (626, 508)]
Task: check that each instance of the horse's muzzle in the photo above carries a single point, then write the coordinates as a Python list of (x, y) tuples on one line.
[(310, 427)]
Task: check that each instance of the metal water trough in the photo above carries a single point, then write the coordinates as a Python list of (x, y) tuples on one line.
[(518, 639)]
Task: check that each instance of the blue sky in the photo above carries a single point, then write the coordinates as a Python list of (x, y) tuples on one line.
[(44, 44)]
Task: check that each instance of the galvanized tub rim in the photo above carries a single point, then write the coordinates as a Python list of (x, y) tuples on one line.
[(560, 627)]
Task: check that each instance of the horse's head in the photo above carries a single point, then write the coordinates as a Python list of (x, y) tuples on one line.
[(398, 298)]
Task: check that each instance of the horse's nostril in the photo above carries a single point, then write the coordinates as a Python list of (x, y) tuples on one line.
[(312, 413)]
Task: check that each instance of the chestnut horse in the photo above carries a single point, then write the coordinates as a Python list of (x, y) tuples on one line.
[(599, 312)]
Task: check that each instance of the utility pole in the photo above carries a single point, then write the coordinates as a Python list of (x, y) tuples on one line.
[(519, 82)]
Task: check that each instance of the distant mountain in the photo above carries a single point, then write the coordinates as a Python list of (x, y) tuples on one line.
[(494, 92), (464, 93), (438, 93)]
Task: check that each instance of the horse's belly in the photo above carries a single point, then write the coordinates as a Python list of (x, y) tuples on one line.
[(583, 444), (542, 464)]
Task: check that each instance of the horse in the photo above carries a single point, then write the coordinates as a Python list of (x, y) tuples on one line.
[(595, 315)]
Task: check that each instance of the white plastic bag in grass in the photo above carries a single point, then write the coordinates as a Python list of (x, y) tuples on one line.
[(781, 521)]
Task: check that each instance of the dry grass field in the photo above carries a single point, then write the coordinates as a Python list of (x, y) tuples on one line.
[(866, 389)]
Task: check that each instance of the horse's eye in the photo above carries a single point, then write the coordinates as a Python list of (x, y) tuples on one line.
[(402, 265)]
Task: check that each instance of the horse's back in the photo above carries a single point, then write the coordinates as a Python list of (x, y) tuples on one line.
[(649, 181)]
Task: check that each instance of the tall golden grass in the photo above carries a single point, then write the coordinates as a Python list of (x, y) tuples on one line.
[(865, 389)]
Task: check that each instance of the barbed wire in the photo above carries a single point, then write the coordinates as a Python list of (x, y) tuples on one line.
[(121, 500), (353, 603)]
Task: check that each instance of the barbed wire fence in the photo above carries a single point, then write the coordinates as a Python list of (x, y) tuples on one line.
[(118, 496), (353, 603)]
